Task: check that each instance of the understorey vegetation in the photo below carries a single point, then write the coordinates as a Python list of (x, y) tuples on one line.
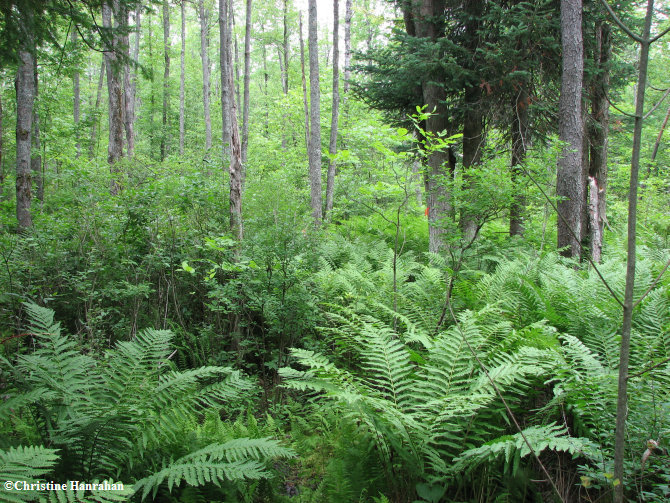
[(433, 305)]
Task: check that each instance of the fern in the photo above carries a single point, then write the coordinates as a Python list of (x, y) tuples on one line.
[(117, 416), (512, 448)]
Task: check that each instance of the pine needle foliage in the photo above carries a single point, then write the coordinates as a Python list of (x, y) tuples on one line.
[(123, 416)]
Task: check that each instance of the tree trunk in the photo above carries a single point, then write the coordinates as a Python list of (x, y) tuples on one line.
[(2, 147), (152, 94), (519, 147), (425, 20), (131, 90), (25, 98), (181, 80), (622, 393), (128, 96), (204, 14), (247, 72), (230, 113), (226, 91), (332, 148), (304, 87), (116, 108), (315, 116), (166, 79), (36, 146), (570, 179), (599, 141), (76, 99), (347, 72), (96, 119)]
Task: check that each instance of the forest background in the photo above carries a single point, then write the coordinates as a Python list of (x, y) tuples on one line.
[(402, 251)]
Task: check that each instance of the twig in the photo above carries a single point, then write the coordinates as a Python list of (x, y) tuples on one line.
[(507, 408), (650, 368), (616, 297), (653, 285)]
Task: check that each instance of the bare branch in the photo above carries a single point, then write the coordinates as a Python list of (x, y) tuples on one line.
[(618, 21)]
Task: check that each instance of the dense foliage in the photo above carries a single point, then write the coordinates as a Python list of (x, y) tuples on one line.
[(143, 344)]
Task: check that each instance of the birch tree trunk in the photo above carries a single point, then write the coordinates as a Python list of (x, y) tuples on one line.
[(131, 91), (332, 147), (128, 95), (226, 91), (247, 71), (96, 119), (181, 81), (25, 98), (570, 179), (76, 100), (166, 78), (304, 87), (36, 146), (204, 15), (116, 109), (315, 116)]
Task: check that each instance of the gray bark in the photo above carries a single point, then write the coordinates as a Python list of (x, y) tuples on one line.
[(624, 354), (2, 164), (25, 98), (98, 99), (332, 148), (181, 80), (76, 100), (204, 15), (115, 93), (226, 91), (128, 95), (424, 20), (36, 146), (304, 87), (599, 142), (131, 91), (247, 72), (315, 116), (570, 179), (166, 79)]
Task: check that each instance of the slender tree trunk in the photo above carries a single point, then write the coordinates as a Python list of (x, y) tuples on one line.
[(237, 72), (25, 98), (599, 141), (285, 48), (226, 91), (152, 94), (624, 355), (2, 148), (519, 146), (315, 116), (266, 79), (181, 80), (116, 108), (76, 99), (658, 140), (247, 72), (570, 179), (166, 79), (348, 14), (128, 97), (332, 148), (229, 111), (36, 146), (131, 90), (206, 71), (96, 119), (304, 87)]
